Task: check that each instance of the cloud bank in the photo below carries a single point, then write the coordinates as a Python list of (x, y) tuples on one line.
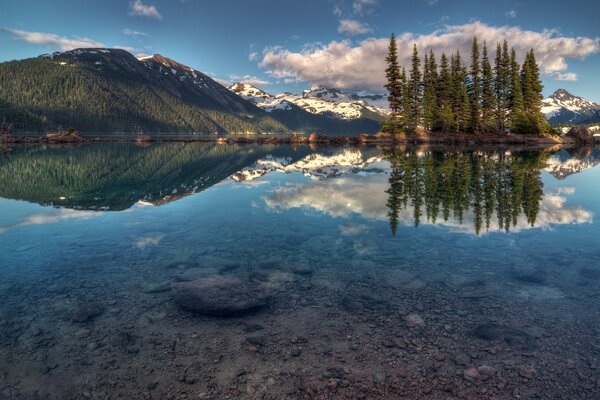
[(52, 40), (343, 64)]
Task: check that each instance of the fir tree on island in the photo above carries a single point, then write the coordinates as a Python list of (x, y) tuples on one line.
[(450, 98)]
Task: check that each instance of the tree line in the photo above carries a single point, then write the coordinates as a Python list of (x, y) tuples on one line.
[(449, 97)]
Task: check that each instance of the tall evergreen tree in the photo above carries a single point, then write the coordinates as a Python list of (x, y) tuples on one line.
[(516, 93), (532, 96), (406, 100), (488, 102), (415, 92), (475, 88), (444, 117), (394, 85), (429, 91), (502, 85), (460, 97)]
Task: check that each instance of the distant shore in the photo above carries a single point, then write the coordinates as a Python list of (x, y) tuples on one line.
[(380, 138)]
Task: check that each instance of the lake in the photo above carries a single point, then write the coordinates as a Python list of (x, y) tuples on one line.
[(186, 271)]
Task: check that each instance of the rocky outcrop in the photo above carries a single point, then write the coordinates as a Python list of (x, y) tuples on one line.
[(581, 135), (219, 295), (64, 137)]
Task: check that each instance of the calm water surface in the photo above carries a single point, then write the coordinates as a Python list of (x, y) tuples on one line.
[(381, 273)]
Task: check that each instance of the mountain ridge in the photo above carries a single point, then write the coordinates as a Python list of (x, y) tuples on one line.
[(109, 90), (564, 108)]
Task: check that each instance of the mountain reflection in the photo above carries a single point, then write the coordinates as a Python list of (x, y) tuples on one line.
[(112, 176), (467, 191), (442, 185)]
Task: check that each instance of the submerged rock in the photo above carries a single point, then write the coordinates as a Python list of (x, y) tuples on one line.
[(86, 312), (512, 336), (529, 274), (219, 295)]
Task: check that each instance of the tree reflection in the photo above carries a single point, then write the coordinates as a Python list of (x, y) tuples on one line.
[(442, 184)]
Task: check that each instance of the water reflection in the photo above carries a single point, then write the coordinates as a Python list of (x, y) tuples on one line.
[(468, 191), (444, 185), (117, 176)]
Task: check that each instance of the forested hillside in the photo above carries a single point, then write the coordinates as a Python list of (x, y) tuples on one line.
[(101, 90)]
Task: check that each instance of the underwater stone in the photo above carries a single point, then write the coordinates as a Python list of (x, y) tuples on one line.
[(219, 295)]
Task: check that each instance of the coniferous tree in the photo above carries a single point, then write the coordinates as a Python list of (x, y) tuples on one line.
[(475, 88), (488, 103), (406, 100), (444, 118), (516, 94), (532, 96), (394, 85), (502, 86), (430, 78), (460, 98), (415, 92)]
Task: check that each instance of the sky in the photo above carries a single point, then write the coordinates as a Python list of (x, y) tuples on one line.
[(291, 45)]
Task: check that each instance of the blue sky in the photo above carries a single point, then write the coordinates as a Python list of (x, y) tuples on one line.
[(290, 45)]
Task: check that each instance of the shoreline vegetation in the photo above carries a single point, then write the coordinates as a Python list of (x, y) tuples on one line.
[(449, 97), (380, 138)]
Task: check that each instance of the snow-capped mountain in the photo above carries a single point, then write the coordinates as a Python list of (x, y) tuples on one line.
[(317, 100), (316, 166), (259, 97), (564, 108), (562, 165)]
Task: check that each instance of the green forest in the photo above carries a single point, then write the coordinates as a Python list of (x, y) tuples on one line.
[(448, 97), (441, 185), (114, 92)]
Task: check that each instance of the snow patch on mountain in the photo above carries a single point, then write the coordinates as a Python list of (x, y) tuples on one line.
[(316, 166), (562, 165), (317, 100), (564, 108)]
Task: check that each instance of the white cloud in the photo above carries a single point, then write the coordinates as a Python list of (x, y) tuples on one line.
[(431, 3), (134, 33), (362, 6), (253, 56), (337, 10), (559, 76), (52, 40), (344, 65), (511, 14), (249, 79), (352, 27), (138, 8)]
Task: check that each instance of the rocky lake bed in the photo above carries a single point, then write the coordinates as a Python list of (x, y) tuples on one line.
[(301, 300)]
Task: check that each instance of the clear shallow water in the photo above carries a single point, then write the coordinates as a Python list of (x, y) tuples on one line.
[(388, 272)]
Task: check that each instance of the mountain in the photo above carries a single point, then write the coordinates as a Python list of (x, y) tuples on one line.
[(109, 90), (564, 108), (564, 164), (317, 100), (318, 166), (327, 111), (115, 176)]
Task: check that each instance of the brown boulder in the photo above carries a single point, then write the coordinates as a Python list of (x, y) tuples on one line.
[(581, 134), (219, 295)]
